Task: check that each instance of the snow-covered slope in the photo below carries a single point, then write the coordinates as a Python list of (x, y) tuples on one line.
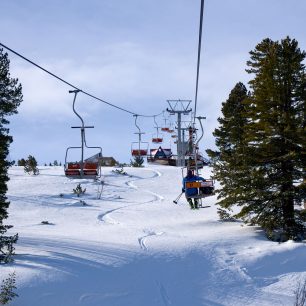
[(135, 247)]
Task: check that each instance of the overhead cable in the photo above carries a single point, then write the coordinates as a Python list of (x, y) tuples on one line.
[(75, 87), (199, 59)]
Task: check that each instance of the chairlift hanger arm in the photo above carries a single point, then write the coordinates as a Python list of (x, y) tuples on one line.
[(76, 91), (202, 129), (136, 116)]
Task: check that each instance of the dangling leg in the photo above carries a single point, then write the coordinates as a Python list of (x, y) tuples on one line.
[(190, 203)]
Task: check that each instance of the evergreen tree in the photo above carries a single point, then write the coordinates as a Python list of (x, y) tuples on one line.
[(30, 166), (275, 136), (21, 162), (55, 163), (10, 98), (137, 162), (260, 161), (229, 160)]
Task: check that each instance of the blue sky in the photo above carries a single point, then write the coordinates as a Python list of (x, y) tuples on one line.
[(133, 53)]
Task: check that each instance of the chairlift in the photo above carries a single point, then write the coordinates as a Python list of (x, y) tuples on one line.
[(90, 168), (157, 138), (204, 188), (139, 148), (166, 127)]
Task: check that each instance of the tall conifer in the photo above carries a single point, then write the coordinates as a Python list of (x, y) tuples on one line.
[(275, 136), (228, 162), (10, 98), (261, 141)]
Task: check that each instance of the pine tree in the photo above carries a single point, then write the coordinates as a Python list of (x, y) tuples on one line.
[(137, 162), (10, 98), (276, 137), (30, 166), (260, 161), (229, 160), (21, 162)]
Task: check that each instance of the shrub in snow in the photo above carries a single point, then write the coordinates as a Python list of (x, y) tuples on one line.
[(79, 190), (119, 171), (6, 244), (30, 166), (45, 222), (7, 289), (137, 162)]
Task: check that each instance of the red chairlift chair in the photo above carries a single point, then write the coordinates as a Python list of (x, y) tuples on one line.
[(82, 169)]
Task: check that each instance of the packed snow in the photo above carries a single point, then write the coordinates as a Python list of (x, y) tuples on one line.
[(125, 243)]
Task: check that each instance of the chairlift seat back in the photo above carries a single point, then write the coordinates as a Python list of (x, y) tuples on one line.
[(157, 140), (72, 166), (207, 183), (193, 185), (141, 152), (91, 166)]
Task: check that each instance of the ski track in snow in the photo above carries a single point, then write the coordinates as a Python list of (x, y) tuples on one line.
[(164, 294), (142, 240), (104, 216), (156, 174)]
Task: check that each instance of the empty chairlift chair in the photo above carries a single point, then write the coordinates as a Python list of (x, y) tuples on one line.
[(89, 168), (157, 137), (139, 148)]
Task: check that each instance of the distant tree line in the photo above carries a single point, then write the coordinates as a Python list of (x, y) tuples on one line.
[(260, 159), (22, 162)]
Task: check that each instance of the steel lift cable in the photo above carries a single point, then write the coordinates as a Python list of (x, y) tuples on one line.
[(75, 87), (199, 60)]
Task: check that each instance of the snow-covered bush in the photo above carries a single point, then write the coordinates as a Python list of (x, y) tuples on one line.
[(119, 171), (7, 289), (79, 190)]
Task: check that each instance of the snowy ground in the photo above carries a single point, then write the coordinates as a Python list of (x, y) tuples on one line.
[(135, 247)]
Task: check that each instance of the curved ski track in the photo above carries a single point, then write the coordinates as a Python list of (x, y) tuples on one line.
[(142, 240), (130, 184)]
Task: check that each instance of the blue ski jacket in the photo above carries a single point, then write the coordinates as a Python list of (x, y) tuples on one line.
[(191, 191)]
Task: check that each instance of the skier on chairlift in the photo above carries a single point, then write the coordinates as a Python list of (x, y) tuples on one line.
[(190, 192)]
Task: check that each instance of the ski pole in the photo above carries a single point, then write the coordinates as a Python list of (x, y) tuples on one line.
[(177, 199)]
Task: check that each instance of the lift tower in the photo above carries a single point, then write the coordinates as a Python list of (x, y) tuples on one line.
[(179, 108)]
